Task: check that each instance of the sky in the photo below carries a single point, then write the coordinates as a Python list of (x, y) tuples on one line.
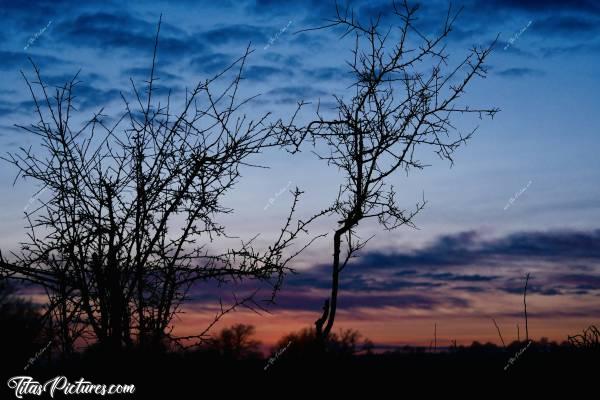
[(522, 197)]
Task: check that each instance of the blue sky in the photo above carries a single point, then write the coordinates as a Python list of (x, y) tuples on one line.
[(543, 145)]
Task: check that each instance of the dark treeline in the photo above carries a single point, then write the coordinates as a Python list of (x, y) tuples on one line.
[(234, 355)]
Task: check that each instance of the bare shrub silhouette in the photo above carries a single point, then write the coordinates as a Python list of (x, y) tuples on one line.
[(588, 339), (306, 343), (134, 204), (236, 342), (395, 111)]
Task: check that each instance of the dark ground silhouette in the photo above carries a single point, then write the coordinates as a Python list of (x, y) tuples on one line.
[(231, 363)]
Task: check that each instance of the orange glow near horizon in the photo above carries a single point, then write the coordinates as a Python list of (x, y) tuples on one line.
[(549, 316), (390, 326)]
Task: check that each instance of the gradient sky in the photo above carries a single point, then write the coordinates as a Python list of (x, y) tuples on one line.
[(465, 264)]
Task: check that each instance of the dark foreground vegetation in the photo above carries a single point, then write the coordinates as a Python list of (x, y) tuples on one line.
[(177, 375), (232, 363)]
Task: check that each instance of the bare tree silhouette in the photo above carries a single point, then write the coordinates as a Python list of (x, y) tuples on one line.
[(236, 342), (395, 109), (123, 236)]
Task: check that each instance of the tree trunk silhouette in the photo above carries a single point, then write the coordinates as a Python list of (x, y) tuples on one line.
[(394, 109)]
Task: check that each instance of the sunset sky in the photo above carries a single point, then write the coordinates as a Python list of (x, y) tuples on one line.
[(523, 196)]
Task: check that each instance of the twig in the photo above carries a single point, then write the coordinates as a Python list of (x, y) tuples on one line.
[(435, 337), (499, 333), (525, 307)]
